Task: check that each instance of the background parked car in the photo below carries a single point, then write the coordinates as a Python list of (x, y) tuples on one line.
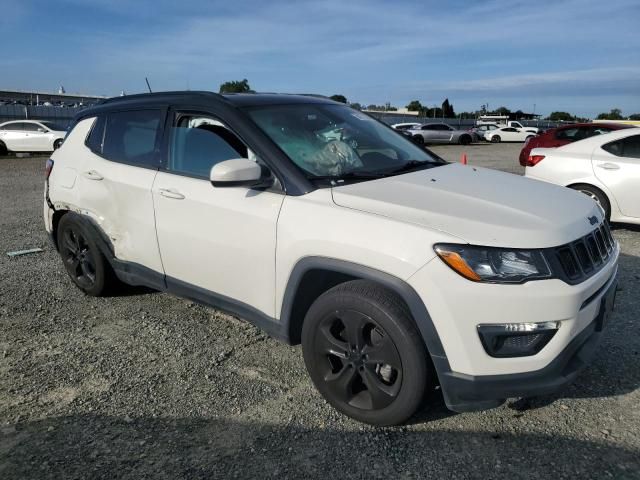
[(566, 134), (405, 126), (604, 167), (30, 136), (507, 134), (480, 130), (441, 133)]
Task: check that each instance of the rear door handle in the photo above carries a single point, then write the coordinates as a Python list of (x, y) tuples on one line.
[(170, 193), (92, 175), (609, 166)]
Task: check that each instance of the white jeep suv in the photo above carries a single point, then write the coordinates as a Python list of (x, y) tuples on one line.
[(395, 270)]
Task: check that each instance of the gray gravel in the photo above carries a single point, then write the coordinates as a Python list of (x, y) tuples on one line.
[(146, 385)]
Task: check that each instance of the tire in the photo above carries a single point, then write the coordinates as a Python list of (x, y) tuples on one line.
[(529, 137), (3, 149), (344, 331), (85, 264), (57, 144), (496, 139), (465, 140), (597, 195), (419, 139)]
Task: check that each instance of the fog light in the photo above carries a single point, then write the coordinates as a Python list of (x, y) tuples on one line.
[(516, 339)]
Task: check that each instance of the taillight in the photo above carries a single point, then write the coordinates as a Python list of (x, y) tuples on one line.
[(533, 160), (47, 168)]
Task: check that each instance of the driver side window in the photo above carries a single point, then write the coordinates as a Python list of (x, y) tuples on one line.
[(198, 142)]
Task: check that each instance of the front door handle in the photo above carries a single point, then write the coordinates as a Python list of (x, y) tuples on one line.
[(171, 193), (609, 166), (92, 175)]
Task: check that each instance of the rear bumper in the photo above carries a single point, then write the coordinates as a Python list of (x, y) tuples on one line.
[(464, 393)]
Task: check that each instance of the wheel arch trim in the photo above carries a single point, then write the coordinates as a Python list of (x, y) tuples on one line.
[(401, 288)]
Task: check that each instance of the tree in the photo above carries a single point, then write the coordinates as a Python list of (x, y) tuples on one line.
[(414, 106), (560, 117), (635, 116), (338, 98), (447, 109), (236, 86), (502, 111), (356, 106), (614, 114)]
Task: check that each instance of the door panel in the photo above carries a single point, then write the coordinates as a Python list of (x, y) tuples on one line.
[(621, 175), (220, 239), (118, 197)]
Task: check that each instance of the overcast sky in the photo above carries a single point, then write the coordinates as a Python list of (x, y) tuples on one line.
[(580, 56)]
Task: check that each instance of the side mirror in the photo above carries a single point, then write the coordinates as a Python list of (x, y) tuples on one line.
[(41, 130), (236, 173)]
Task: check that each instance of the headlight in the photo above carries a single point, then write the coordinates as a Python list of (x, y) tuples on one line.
[(497, 265)]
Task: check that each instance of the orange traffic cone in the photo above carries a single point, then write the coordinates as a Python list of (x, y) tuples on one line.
[(463, 159)]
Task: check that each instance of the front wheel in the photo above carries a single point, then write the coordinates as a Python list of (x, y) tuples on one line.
[(465, 140), (496, 139), (364, 353), (57, 144)]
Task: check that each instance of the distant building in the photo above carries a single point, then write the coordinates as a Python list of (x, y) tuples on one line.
[(26, 97)]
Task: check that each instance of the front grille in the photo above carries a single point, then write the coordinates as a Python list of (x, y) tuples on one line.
[(584, 257)]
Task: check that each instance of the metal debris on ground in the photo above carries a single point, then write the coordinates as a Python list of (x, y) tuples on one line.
[(19, 253)]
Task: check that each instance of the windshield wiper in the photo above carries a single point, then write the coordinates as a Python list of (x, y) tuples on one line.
[(349, 176), (412, 165)]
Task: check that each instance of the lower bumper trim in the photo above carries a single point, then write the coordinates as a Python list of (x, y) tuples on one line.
[(463, 393)]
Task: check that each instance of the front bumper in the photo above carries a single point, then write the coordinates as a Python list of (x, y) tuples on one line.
[(464, 393)]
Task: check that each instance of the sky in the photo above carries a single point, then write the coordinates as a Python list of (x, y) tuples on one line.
[(580, 56)]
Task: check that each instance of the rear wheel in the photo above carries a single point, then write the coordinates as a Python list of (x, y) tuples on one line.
[(597, 196), (496, 139), (419, 139), (57, 144), (364, 354), (86, 265), (3, 149), (465, 140)]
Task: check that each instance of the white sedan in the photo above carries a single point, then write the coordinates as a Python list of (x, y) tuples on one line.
[(605, 167), (507, 134), (30, 136)]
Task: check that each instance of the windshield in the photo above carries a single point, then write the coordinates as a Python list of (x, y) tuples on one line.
[(334, 141)]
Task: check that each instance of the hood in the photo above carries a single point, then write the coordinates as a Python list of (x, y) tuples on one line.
[(477, 205)]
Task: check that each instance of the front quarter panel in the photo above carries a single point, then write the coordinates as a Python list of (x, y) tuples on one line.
[(313, 226)]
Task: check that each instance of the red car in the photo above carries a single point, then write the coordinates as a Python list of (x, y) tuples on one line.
[(556, 137)]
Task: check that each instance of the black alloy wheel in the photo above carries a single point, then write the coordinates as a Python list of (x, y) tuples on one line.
[(84, 262), (364, 353), (78, 258), (358, 361)]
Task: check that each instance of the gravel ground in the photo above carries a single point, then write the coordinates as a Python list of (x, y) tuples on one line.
[(146, 385)]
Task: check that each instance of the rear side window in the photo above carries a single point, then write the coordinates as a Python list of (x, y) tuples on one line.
[(627, 147), (131, 137)]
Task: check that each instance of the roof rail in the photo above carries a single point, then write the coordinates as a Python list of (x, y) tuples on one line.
[(136, 96)]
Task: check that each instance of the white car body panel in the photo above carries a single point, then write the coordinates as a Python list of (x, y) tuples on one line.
[(464, 202), (116, 196), (220, 239), (585, 162), (29, 141), (507, 136)]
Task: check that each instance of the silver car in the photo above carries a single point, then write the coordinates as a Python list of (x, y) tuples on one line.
[(441, 133)]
